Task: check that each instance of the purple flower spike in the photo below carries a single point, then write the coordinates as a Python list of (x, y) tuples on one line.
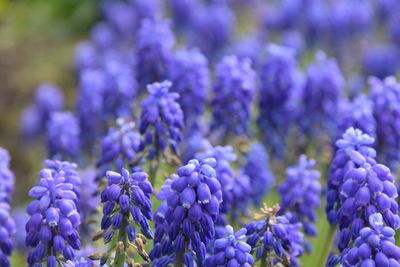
[(155, 41), (119, 147), (184, 223), (357, 188), (300, 195), (127, 205), (385, 95), (161, 120), (63, 135), (52, 229), (280, 89), (234, 90)]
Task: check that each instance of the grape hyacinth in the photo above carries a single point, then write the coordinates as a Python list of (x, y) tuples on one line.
[(274, 240), (231, 250), (257, 169), (7, 179), (52, 229), (190, 78), (120, 147), (126, 201), (185, 220), (234, 90), (161, 121), (155, 42), (240, 195), (280, 88), (357, 114), (321, 95), (300, 195), (193, 144), (48, 99), (386, 98), (224, 156), (7, 224), (364, 187), (375, 246), (63, 135)]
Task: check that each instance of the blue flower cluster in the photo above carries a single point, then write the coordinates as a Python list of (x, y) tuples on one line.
[(300, 195), (280, 88), (52, 229), (363, 187), (358, 114), (321, 95), (63, 135), (275, 240), (234, 90), (185, 220), (155, 41), (257, 169), (191, 79), (386, 97), (375, 246), (48, 99), (161, 120), (126, 196), (7, 224), (231, 250), (119, 148)]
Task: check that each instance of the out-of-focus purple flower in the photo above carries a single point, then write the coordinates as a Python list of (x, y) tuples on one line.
[(52, 229), (190, 77), (374, 246), (89, 104), (161, 120), (358, 114), (241, 191), (213, 26), (318, 16), (275, 238), (121, 16), (79, 262), (224, 156), (185, 220), (300, 195), (385, 95), (234, 90), (183, 12), (147, 9), (231, 250), (293, 39), (321, 95), (7, 224), (249, 46), (119, 147), (63, 135), (126, 198), (48, 99), (7, 179), (257, 169), (194, 144), (19, 215), (280, 88), (86, 56), (380, 61), (104, 36), (88, 194), (363, 187), (155, 42)]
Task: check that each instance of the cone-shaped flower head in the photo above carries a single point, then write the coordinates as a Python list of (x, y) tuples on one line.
[(185, 220), (161, 120), (52, 229), (63, 135), (7, 179), (233, 94), (119, 147)]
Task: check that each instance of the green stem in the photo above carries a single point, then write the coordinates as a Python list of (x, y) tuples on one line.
[(154, 168), (264, 259), (328, 244), (179, 259), (119, 259)]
